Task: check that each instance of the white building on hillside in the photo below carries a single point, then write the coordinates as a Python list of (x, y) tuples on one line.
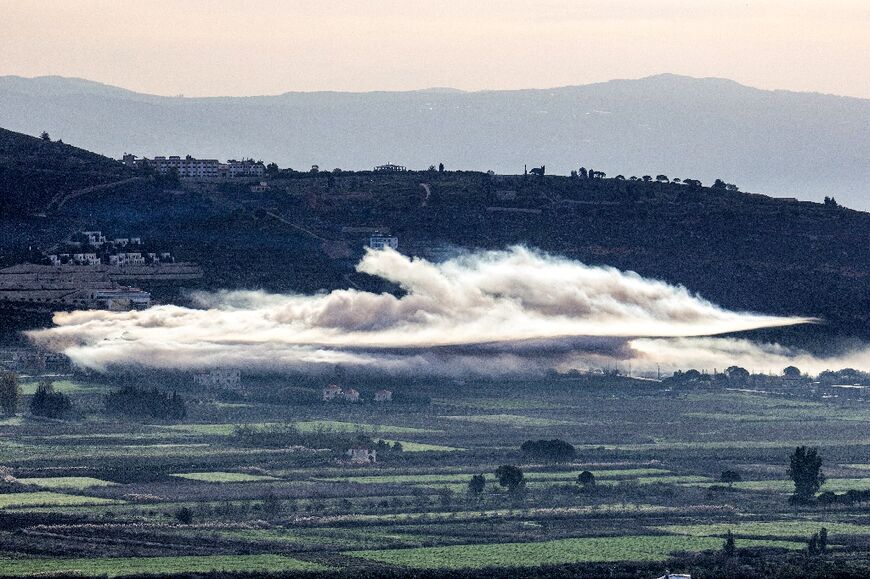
[(362, 456), (218, 378), (382, 241)]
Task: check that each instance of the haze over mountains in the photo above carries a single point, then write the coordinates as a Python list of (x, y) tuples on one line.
[(803, 145)]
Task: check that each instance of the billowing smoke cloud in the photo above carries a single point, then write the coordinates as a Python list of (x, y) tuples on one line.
[(496, 311)]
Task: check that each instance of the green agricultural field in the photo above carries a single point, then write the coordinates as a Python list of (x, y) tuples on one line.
[(224, 477), (303, 426), (121, 566), (47, 498), (514, 420), (339, 426), (65, 386), (410, 446), (789, 529), (725, 445), (582, 550), (498, 404), (838, 485), (67, 482)]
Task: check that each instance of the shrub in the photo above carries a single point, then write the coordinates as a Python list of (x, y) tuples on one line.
[(549, 450), (141, 403)]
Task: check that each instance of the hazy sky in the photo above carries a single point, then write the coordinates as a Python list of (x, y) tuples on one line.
[(228, 47)]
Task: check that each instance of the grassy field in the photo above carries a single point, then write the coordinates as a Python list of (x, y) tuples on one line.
[(118, 567), (67, 482), (583, 550), (787, 529), (514, 420), (47, 498), (224, 477)]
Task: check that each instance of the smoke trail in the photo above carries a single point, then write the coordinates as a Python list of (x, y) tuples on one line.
[(491, 311)]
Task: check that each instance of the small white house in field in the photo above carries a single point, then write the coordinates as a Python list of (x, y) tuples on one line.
[(362, 456), (331, 392), (350, 395), (336, 392), (218, 378), (383, 396)]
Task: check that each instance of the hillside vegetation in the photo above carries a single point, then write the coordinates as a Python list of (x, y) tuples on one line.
[(33, 171)]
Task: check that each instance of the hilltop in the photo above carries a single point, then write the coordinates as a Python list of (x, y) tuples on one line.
[(35, 171), (776, 142)]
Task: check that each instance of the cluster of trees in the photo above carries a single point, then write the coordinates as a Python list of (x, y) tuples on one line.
[(509, 477), (732, 374), (584, 173), (549, 450), (143, 403), (285, 436), (48, 403), (45, 402)]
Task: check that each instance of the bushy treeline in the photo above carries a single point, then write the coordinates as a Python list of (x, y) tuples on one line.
[(549, 450), (144, 403), (285, 436), (48, 403), (850, 497)]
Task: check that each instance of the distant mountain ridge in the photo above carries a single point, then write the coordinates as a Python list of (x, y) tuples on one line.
[(807, 145)]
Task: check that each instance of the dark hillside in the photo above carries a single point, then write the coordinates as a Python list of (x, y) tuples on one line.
[(740, 250), (33, 171)]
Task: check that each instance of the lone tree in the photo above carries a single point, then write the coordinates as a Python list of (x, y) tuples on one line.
[(791, 372), (805, 469), (586, 479), (476, 485), (823, 540), (44, 136), (10, 392), (184, 515), (729, 549), (730, 477), (510, 477)]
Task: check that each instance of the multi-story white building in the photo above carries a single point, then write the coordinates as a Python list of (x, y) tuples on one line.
[(95, 238), (245, 168), (188, 167), (130, 258), (383, 241)]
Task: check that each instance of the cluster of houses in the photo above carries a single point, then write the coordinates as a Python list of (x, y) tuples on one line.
[(191, 168), (109, 252), (337, 393), (379, 241)]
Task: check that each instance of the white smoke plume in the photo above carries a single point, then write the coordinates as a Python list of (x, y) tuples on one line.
[(495, 311)]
